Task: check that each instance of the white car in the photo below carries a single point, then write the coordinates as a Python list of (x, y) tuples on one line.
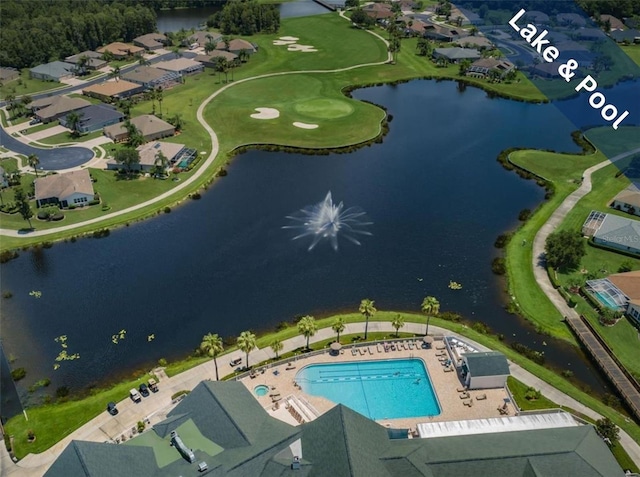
[(135, 395)]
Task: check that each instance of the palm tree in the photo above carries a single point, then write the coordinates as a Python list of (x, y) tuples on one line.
[(368, 310), (176, 51), (81, 66), (430, 306), (209, 46), (338, 327), (142, 61), (213, 346), (73, 123), (243, 55), (159, 97), (397, 323), (23, 205), (108, 56), (115, 72), (246, 342), (33, 161), (160, 163), (308, 327), (135, 136), (276, 346)]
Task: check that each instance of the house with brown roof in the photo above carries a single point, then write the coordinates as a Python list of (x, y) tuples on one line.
[(209, 59), (237, 45), (151, 41), (151, 127), (614, 23), (628, 200), (181, 66), (66, 190), (8, 74), (619, 292), (474, 41), (378, 11), (485, 67), (120, 50), (444, 33), (58, 107), (148, 155), (151, 77), (201, 38), (113, 90), (94, 60)]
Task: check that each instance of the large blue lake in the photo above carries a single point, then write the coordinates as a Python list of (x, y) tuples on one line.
[(433, 190)]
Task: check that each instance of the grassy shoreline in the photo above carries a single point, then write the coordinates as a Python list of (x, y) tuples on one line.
[(78, 412)]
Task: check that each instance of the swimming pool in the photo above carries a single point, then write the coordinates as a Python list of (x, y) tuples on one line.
[(386, 389), (261, 390)]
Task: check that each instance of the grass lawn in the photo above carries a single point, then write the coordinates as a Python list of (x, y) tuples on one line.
[(25, 85), (65, 138), (9, 164), (53, 422), (633, 51), (41, 127)]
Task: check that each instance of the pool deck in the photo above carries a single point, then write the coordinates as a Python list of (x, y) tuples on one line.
[(445, 385)]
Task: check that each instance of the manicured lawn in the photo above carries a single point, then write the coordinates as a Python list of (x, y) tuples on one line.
[(27, 86), (55, 421), (41, 127), (633, 51), (9, 164), (519, 389), (65, 138)]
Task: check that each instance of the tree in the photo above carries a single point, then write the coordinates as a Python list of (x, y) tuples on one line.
[(209, 46), (394, 47), (73, 122), (608, 430), (213, 346), (359, 17), (108, 56), (25, 100), (352, 3), (564, 250), (158, 92), (176, 51), (243, 55), (276, 346), (308, 327), (368, 310), (142, 61), (135, 137), (23, 205), (34, 161), (128, 157), (81, 65), (338, 327), (160, 164), (221, 65), (176, 121), (430, 306), (463, 67), (246, 342), (115, 72), (397, 323), (423, 47)]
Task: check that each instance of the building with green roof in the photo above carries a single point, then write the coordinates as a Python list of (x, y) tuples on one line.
[(226, 428), (486, 370)]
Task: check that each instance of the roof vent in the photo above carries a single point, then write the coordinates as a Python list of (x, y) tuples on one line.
[(202, 466), (295, 465)]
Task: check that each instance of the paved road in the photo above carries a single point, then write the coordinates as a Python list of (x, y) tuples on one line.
[(155, 407)]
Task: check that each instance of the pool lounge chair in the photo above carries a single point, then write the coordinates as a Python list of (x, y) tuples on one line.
[(369, 350), (410, 344), (464, 395), (447, 369), (481, 397), (468, 402), (379, 348), (353, 351), (461, 389)]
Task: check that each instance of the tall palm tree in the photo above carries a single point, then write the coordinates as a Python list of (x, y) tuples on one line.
[(213, 346), (159, 97), (161, 162), (430, 306), (368, 310), (73, 123), (308, 327), (397, 323), (115, 72), (246, 342), (276, 346), (338, 327), (33, 161), (176, 51)]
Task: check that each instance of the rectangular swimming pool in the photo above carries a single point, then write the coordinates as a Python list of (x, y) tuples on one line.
[(386, 389)]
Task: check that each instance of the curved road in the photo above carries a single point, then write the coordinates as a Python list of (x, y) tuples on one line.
[(208, 162)]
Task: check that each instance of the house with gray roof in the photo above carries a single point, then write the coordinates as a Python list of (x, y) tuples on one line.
[(455, 54), (228, 431), (621, 36), (181, 66), (54, 71), (209, 60), (201, 38), (487, 370), (8, 74), (487, 66), (58, 107), (69, 189), (151, 77), (95, 117), (93, 59), (151, 127), (151, 41), (620, 233)]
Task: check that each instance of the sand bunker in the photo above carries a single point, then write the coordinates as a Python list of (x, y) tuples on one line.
[(303, 48), (266, 113), (289, 38), (305, 125), (283, 42)]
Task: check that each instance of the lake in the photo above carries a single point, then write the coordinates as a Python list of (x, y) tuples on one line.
[(433, 189)]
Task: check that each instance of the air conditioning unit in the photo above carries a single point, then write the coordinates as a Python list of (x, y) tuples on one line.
[(295, 465), (202, 466)]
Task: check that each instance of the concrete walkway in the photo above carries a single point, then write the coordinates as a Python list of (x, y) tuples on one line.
[(106, 427)]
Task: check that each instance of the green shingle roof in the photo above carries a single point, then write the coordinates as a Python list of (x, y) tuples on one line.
[(489, 363)]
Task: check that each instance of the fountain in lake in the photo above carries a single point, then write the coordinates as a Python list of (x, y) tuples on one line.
[(326, 220)]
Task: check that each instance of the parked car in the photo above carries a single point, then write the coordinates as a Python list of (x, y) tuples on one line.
[(153, 385), (112, 409), (144, 390), (34, 121), (235, 362), (135, 395)]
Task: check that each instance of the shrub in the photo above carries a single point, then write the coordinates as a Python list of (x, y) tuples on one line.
[(167, 210), (532, 394), (18, 374), (625, 266), (141, 425), (498, 266), (62, 391), (94, 202), (162, 362), (184, 392), (572, 302), (535, 356), (567, 373), (450, 316), (7, 295), (502, 240), (8, 255), (7, 441), (524, 215), (196, 196), (481, 327)]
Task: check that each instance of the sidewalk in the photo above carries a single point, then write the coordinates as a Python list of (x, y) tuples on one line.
[(106, 427)]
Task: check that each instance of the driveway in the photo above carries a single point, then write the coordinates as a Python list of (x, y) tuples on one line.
[(50, 159)]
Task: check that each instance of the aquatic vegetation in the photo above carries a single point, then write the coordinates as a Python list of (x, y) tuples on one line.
[(455, 285), (35, 293)]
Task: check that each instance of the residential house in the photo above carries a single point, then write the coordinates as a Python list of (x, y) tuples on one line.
[(236, 46), (148, 153), (487, 370), (591, 34), (613, 231), (8, 74), (54, 71), (94, 60), (151, 41), (201, 38), (475, 41), (227, 433), (444, 33), (151, 77), (628, 200), (632, 22), (574, 50), (378, 11), (209, 59), (630, 36), (120, 51), (455, 54), (151, 127), (614, 23), (181, 66), (571, 19), (95, 117), (415, 27), (60, 106), (619, 292), (472, 17), (113, 90), (545, 70), (68, 189), (485, 67), (536, 17)]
